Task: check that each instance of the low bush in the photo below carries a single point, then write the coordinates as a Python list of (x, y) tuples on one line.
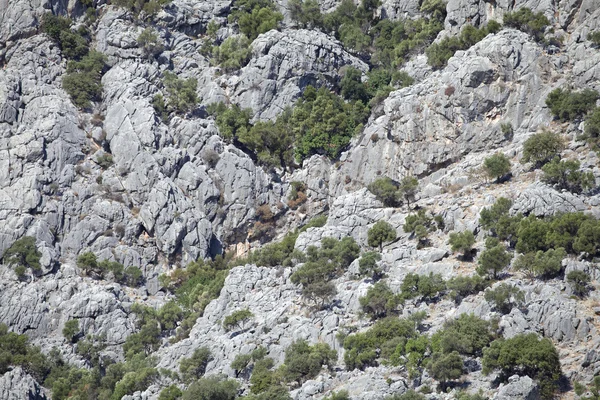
[(543, 264), (462, 286), (212, 388), (427, 287), (237, 319), (255, 17), (579, 282), (567, 105), (468, 335), (386, 191), (367, 265), (497, 166), (419, 225), (304, 362), (462, 241), (505, 297), (150, 44), (567, 175), (194, 367), (525, 355), (83, 79), (498, 221), (71, 330), (22, 255), (379, 301), (494, 259), (232, 54), (525, 20), (542, 147), (380, 233)]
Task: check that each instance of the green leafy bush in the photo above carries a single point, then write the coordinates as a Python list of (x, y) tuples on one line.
[(23, 253), (386, 191), (409, 395), (367, 264), (83, 79), (446, 367), (237, 319), (525, 20), (352, 87), (462, 241), (462, 286), (567, 175), (592, 125), (542, 147), (233, 53), (579, 282), (594, 37), (194, 367), (362, 349), (149, 7), (497, 220), (381, 232), (105, 160), (468, 335), (497, 166), (71, 330), (525, 355), (212, 388), (419, 225), (304, 362), (428, 287), (493, 259), (170, 393), (150, 44), (341, 395), (438, 54), (255, 16), (181, 93), (505, 297), (306, 13), (567, 105), (546, 264), (379, 301)]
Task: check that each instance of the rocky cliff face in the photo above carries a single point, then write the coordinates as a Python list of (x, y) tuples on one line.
[(177, 191)]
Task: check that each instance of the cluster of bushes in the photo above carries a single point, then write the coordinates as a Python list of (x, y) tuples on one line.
[(105, 380), (149, 7), (130, 276), (525, 20), (302, 362), (23, 255), (181, 96), (85, 68), (394, 194), (439, 53), (322, 265), (298, 133), (255, 17), (420, 224), (232, 54)]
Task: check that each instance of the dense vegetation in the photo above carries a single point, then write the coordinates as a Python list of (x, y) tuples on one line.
[(23, 255)]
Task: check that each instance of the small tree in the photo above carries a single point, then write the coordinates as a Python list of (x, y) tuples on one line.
[(379, 301), (320, 293), (386, 191), (367, 264), (541, 148), (493, 259), (182, 96), (233, 54), (149, 43), (212, 388), (408, 189), (237, 319), (446, 367), (566, 175), (419, 224), (463, 242), (303, 362), (380, 233), (194, 367), (504, 297), (497, 166), (71, 330), (579, 282), (23, 254)]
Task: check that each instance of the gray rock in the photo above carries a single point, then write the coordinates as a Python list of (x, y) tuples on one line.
[(17, 385), (518, 387), (541, 200)]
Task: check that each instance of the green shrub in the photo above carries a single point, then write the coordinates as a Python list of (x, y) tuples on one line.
[(428, 287), (71, 330), (194, 367), (237, 319), (170, 393), (468, 335), (546, 264), (150, 44), (438, 54), (150, 7), (23, 253), (525, 20), (594, 37), (352, 87), (380, 233), (54, 25), (367, 264), (525, 355), (493, 259), (212, 388), (325, 132), (83, 79), (446, 367), (566, 175), (386, 191), (105, 160), (306, 13), (579, 282), (419, 225), (272, 142), (462, 241), (567, 105), (409, 395), (181, 93), (341, 395), (233, 53), (462, 286), (505, 297), (592, 125), (542, 147), (379, 301), (304, 362), (497, 220), (497, 166), (146, 341), (255, 17), (362, 349)]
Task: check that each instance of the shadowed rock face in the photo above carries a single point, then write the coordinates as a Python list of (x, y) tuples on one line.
[(176, 191)]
